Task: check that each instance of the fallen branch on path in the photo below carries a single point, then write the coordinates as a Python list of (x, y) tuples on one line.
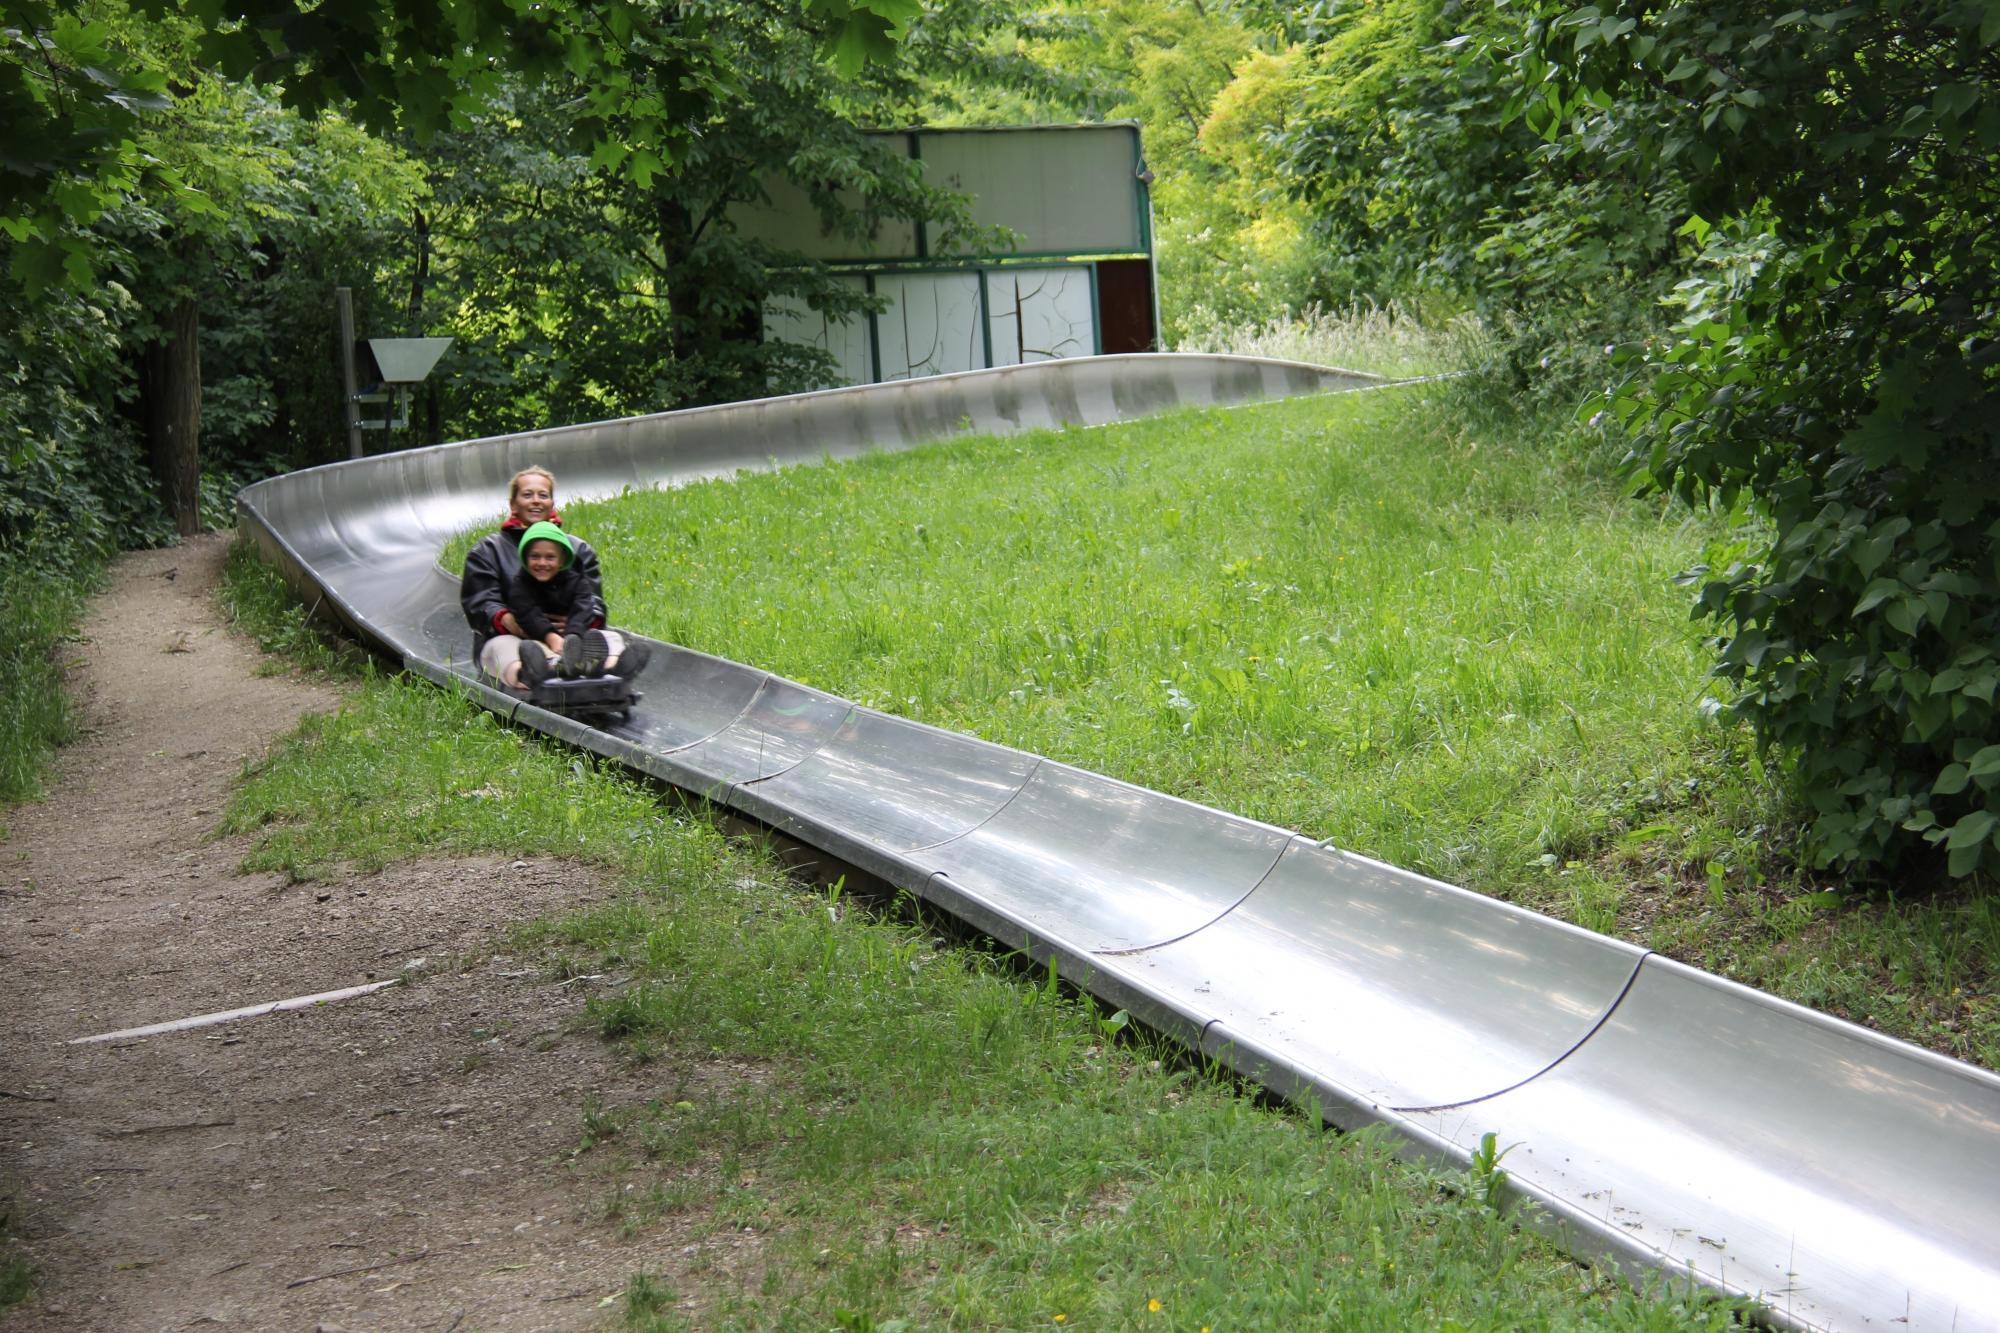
[(350, 1272), (231, 1015), (112, 1132)]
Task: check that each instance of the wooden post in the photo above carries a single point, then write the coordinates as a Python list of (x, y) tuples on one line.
[(343, 299)]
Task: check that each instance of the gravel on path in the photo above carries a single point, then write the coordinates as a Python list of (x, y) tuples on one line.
[(401, 1160)]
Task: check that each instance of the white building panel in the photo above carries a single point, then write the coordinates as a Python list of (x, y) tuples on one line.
[(1040, 314), (931, 325), (790, 320)]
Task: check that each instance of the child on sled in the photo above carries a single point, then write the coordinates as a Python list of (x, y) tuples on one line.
[(548, 590)]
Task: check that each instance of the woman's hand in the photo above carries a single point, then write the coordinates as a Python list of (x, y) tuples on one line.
[(511, 625)]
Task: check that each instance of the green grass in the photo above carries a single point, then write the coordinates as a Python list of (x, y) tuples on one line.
[(17, 1281), (903, 1130), (259, 604), (17, 1275), (41, 609), (1431, 633)]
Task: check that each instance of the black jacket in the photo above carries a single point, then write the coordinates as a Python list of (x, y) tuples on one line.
[(533, 601), (492, 564)]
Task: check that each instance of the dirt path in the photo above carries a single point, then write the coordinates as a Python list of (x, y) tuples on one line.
[(399, 1161)]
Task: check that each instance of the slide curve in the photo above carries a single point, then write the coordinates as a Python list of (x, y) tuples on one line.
[(1658, 1116)]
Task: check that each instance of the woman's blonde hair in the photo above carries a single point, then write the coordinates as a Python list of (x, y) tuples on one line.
[(514, 485)]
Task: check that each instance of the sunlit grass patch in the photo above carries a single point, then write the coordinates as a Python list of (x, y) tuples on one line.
[(1392, 340), (1425, 630), (1338, 615)]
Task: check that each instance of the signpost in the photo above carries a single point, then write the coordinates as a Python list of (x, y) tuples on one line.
[(392, 366)]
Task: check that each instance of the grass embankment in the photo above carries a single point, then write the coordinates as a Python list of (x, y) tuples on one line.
[(1453, 647), (922, 1134), (40, 606)]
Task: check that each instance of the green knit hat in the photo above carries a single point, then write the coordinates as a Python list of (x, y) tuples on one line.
[(546, 531)]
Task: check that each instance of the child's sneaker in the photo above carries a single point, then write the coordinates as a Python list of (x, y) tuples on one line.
[(536, 665), (583, 654), (631, 661)]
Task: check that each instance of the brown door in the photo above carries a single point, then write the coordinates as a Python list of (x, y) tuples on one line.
[(1125, 306)]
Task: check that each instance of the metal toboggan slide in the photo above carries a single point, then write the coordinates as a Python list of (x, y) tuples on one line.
[(1662, 1117)]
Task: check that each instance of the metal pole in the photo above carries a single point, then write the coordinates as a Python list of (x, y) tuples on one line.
[(343, 300)]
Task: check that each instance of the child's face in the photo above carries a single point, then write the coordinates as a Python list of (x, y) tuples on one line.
[(543, 560)]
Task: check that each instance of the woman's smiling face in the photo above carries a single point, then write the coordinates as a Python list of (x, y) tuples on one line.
[(534, 498)]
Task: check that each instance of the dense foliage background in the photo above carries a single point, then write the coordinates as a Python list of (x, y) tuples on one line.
[(1756, 238)]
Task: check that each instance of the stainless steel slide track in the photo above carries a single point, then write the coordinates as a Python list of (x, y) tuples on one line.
[(1660, 1116)]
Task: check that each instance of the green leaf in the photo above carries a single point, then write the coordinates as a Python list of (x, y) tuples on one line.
[(642, 166), (1953, 780), (1905, 614), (1876, 593), (1973, 829), (1986, 763), (1869, 554), (1955, 99)]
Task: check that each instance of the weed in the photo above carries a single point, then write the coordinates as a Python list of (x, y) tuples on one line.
[(17, 1280), (649, 1305), (17, 1275), (1488, 1183), (599, 1126), (1385, 339)]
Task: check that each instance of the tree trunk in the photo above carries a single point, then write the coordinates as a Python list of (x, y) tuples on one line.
[(701, 340), (674, 229), (420, 275), (170, 386)]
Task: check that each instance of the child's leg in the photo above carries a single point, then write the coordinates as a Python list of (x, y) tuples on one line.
[(627, 656), (537, 664), (583, 654), (501, 659)]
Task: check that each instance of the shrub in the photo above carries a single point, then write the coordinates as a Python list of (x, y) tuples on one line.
[(1834, 371)]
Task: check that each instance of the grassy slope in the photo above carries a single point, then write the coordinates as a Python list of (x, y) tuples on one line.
[(925, 1134), (41, 610), (1456, 649)]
